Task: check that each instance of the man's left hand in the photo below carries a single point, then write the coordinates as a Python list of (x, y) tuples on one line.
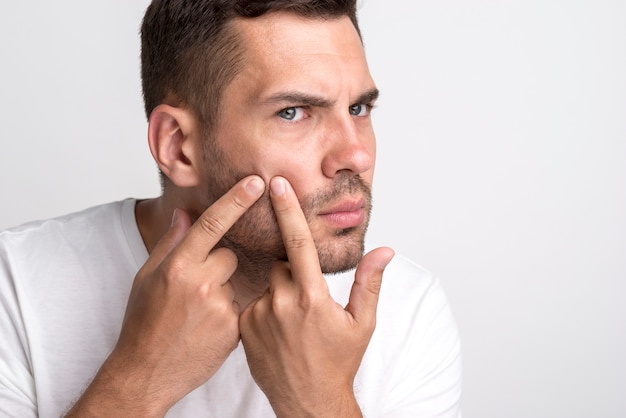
[(303, 348)]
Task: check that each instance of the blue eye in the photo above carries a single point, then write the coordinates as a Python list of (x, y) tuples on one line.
[(292, 113), (359, 110)]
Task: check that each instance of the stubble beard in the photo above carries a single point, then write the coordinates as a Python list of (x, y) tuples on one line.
[(255, 238)]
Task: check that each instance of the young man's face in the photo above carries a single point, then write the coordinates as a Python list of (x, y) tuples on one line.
[(299, 109)]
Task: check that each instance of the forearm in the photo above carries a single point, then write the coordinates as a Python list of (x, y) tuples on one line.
[(120, 392)]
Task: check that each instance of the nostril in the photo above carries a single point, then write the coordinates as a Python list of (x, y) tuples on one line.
[(354, 157)]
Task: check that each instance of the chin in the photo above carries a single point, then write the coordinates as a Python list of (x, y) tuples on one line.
[(343, 254)]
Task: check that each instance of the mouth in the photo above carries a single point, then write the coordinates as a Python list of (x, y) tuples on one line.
[(349, 213)]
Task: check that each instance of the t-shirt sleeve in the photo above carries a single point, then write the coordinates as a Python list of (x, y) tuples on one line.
[(428, 380), (17, 387)]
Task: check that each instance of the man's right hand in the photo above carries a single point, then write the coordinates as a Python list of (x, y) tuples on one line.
[(181, 321)]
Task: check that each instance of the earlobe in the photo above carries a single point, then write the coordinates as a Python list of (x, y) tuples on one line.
[(172, 136)]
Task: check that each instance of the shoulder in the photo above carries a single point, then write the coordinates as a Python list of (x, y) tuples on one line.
[(50, 270), (404, 272), (411, 294), (415, 351), (35, 232), (61, 243), (68, 220), (409, 287), (45, 264)]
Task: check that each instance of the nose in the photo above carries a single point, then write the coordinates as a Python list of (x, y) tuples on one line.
[(350, 147)]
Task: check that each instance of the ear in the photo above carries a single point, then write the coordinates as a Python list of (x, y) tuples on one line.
[(174, 140)]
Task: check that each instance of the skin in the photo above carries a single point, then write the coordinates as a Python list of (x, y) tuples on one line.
[(244, 258), (325, 152)]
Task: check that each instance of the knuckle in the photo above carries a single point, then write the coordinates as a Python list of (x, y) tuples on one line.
[(239, 204), (205, 290), (219, 310), (368, 328), (212, 226), (227, 310), (310, 301), (374, 287), (173, 270), (223, 257), (223, 306), (261, 307), (282, 302), (296, 240), (225, 313), (280, 210)]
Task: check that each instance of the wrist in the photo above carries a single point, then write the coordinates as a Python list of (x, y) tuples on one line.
[(118, 391), (337, 404)]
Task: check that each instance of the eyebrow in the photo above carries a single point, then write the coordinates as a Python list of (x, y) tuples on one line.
[(300, 98)]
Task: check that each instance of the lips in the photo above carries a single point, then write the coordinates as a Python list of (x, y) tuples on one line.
[(348, 213)]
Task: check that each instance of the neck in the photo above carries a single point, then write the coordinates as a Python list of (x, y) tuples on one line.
[(153, 220), (250, 279)]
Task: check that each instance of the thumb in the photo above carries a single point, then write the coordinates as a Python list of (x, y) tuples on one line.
[(367, 282)]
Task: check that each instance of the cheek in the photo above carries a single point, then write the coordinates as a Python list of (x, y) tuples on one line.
[(368, 175), (368, 180), (261, 214), (300, 168)]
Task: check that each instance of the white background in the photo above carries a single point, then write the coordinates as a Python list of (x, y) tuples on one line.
[(502, 168)]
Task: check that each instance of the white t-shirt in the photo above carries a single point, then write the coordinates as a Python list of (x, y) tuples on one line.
[(64, 285)]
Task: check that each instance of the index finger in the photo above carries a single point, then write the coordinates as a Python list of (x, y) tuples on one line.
[(217, 219), (297, 238)]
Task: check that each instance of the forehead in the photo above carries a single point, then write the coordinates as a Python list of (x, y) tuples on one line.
[(282, 48), (275, 30)]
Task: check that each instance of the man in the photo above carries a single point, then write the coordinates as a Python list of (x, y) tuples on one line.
[(259, 120)]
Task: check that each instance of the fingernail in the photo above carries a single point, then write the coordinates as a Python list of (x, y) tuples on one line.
[(278, 186), (255, 186), (174, 217), (390, 255)]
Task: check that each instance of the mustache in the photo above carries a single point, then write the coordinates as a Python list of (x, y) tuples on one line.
[(344, 184)]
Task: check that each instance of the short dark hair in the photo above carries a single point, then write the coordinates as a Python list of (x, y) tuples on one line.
[(190, 53)]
